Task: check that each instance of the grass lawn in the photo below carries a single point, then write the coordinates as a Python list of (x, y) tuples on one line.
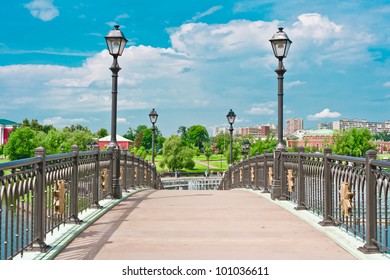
[(216, 163)]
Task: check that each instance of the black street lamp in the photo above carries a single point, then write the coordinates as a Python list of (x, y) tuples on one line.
[(245, 146), (153, 119), (116, 43), (280, 46), (231, 117)]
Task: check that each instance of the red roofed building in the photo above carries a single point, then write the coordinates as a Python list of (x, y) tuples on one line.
[(122, 142), (6, 127)]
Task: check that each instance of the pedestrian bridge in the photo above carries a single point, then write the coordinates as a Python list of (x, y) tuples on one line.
[(47, 200)]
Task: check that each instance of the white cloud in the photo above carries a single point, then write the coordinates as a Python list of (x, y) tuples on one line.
[(326, 113), (267, 108), (121, 16), (387, 84), (294, 84), (208, 67), (43, 9), (121, 120), (210, 11), (61, 122), (233, 39), (315, 26), (316, 37)]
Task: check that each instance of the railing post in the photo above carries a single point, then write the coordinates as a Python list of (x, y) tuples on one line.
[(132, 166), (111, 171), (74, 185), (137, 160), (301, 182), (265, 173), (256, 170), (276, 189), (142, 169), (117, 191), (327, 212), (371, 217), (230, 178), (40, 201), (147, 173), (96, 186), (124, 169), (283, 178)]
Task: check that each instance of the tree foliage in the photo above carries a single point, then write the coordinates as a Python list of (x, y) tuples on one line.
[(102, 133), (353, 142), (175, 155), (221, 142), (236, 154), (382, 136), (197, 135), (21, 143), (30, 135), (260, 145)]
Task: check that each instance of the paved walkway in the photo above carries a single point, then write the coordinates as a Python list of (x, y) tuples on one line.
[(201, 225)]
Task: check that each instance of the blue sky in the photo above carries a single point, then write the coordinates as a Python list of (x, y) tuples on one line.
[(193, 60)]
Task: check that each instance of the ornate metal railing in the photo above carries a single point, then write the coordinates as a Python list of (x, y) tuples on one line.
[(39, 194), (349, 192)]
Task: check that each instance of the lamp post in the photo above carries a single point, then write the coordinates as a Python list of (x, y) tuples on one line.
[(280, 46), (245, 148), (116, 43), (231, 117), (153, 119)]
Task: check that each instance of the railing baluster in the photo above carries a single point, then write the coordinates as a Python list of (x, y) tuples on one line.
[(371, 225), (40, 200), (327, 200)]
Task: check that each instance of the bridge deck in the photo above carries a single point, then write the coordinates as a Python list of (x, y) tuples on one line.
[(219, 225)]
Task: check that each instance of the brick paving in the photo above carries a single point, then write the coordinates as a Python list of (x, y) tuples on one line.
[(201, 225)]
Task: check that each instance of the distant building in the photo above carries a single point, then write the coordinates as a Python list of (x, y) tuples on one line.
[(325, 125), (122, 142), (225, 130), (293, 125), (373, 127), (220, 129), (318, 139), (6, 127)]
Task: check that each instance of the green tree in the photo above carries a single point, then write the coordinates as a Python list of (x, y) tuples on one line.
[(208, 152), (35, 125), (353, 142), (197, 136), (221, 142), (175, 155), (77, 137), (138, 140), (236, 155), (267, 144), (21, 143), (182, 131), (52, 141), (102, 133), (382, 136), (130, 134)]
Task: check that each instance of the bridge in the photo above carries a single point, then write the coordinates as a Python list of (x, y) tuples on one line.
[(263, 206)]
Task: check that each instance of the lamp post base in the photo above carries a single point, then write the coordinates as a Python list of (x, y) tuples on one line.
[(276, 190)]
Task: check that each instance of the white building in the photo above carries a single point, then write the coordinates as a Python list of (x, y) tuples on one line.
[(373, 127)]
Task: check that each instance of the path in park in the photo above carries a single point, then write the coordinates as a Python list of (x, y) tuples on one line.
[(201, 225)]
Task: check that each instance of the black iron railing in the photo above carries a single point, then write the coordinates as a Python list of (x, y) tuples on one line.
[(39, 194), (314, 181)]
